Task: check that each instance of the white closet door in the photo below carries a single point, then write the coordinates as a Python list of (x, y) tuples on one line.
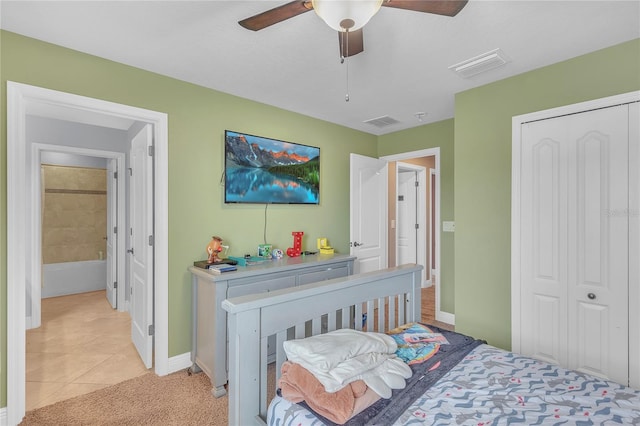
[(634, 244), (575, 282)]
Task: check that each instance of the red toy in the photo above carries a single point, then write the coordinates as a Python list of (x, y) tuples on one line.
[(296, 250)]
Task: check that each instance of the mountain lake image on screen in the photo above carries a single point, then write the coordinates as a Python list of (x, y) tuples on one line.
[(261, 170)]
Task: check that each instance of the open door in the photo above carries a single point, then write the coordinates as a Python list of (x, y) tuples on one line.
[(368, 212), (411, 216), (112, 222), (141, 244)]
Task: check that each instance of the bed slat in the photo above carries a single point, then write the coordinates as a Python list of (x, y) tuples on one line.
[(392, 311), (358, 318)]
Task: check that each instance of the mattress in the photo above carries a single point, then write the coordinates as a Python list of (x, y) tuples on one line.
[(491, 386)]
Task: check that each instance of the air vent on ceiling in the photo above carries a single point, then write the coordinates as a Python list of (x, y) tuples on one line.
[(481, 63), (383, 121)]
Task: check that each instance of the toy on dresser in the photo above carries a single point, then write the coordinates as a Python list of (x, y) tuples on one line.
[(213, 249), (296, 250)]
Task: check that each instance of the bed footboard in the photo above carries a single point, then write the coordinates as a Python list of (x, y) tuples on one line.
[(258, 324)]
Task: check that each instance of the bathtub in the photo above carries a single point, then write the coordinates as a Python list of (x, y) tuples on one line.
[(59, 279)]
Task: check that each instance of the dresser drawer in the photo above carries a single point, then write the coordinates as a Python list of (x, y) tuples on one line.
[(262, 286), (322, 275)]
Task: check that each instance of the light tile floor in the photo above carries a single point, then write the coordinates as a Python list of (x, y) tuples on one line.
[(83, 345)]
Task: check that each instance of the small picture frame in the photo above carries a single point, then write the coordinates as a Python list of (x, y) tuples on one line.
[(264, 250)]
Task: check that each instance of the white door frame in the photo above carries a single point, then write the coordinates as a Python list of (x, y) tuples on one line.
[(430, 152), (21, 98), (516, 153), (421, 202), (36, 223), (433, 225)]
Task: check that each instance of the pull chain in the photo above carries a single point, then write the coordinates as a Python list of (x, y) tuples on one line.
[(346, 98)]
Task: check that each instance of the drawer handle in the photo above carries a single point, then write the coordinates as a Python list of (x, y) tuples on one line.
[(591, 296)]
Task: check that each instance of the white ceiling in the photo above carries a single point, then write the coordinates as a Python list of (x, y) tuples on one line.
[(295, 64)]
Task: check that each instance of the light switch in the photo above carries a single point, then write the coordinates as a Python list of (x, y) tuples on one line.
[(393, 223), (448, 226)]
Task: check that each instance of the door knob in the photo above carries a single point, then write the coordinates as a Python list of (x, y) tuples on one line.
[(591, 296), (357, 244)]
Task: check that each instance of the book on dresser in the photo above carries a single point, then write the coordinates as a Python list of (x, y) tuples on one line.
[(221, 268)]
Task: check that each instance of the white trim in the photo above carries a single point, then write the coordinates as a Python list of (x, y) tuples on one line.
[(447, 317), (516, 142), (433, 225), (179, 362), (429, 152), (19, 98)]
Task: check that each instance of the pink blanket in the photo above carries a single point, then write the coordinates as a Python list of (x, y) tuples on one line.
[(297, 384)]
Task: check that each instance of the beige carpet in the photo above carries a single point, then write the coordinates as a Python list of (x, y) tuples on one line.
[(176, 399)]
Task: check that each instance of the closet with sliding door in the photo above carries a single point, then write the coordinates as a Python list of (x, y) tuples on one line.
[(575, 237)]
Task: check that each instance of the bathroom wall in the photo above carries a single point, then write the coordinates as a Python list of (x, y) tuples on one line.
[(74, 214)]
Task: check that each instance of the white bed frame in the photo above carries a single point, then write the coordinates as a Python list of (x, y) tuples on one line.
[(390, 296)]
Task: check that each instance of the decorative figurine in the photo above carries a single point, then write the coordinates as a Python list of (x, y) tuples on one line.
[(213, 249), (264, 250), (324, 247), (296, 250)]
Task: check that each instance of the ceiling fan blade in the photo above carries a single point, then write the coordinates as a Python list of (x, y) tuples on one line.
[(355, 43), (439, 7), (277, 14)]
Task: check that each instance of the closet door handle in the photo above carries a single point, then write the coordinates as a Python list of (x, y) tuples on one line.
[(591, 296)]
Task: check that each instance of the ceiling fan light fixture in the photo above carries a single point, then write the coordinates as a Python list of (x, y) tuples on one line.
[(346, 15)]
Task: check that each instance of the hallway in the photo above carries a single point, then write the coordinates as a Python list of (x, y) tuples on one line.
[(83, 345)]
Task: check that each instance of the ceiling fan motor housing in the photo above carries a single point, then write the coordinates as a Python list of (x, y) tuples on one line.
[(344, 15)]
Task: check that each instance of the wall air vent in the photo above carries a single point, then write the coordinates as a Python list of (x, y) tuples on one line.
[(383, 121), (481, 63)]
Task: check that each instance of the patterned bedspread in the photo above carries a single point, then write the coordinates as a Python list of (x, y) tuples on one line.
[(495, 387)]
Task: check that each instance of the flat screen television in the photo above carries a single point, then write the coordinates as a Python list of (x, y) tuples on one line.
[(261, 170)]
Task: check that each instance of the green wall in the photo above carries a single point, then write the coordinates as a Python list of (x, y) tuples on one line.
[(197, 120), (483, 174), (433, 135)]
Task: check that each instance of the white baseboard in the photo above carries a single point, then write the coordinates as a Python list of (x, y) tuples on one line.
[(179, 362), (426, 284), (446, 317), (3, 416)]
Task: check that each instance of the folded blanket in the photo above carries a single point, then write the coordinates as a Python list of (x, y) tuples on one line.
[(324, 351), (340, 357), (297, 384)]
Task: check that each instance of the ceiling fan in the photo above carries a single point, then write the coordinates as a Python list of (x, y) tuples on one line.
[(348, 16)]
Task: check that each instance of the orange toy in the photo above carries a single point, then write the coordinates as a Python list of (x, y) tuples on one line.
[(213, 249), (296, 250)]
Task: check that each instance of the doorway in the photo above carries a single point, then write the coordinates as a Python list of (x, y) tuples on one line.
[(106, 253), (411, 238), (369, 193), (22, 254)]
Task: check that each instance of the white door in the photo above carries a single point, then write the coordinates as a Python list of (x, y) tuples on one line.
[(574, 241), (112, 222), (141, 244), (368, 212), (634, 244), (406, 217)]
